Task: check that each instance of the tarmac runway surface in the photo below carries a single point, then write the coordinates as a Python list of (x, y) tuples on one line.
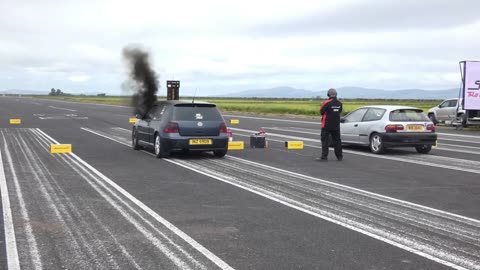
[(106, 206)]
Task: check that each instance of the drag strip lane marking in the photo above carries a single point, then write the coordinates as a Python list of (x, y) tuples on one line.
[(65, 212), (110, 184), (294, 130), (462, 146), (32, 243), (53, 107), (458, 135), (272, 119), (10, 240), (86, 103), (457, 140), (443, 237), (293, 197), (463, 165)]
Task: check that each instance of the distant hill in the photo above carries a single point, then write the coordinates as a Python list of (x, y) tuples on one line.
[(347, 92), (282, 92)]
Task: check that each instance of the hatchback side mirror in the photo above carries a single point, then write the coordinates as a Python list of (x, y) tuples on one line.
[(343, 120)]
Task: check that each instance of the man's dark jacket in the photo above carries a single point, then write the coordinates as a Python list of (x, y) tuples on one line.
[(330, 111)]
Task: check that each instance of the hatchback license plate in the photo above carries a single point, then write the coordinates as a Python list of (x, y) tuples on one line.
[(415, 127), (200, 141)]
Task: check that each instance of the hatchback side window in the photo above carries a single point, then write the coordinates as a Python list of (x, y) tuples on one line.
[(355, 116), (374, 114)]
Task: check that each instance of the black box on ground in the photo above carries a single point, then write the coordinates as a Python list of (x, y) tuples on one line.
[(257, 141)]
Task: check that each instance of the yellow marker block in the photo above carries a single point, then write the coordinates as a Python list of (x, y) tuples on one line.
[(132, 120), (294, 145), (236, 145), (234, 121), (60, 148), (15, 121)]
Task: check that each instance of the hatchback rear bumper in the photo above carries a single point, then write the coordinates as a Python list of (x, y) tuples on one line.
[(177, 144), (409, 139)]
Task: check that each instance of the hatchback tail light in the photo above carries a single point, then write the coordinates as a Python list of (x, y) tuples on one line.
[(171, 127), (393, 128), (431, 127), (223, 128)]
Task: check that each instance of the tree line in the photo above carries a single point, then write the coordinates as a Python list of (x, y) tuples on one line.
[(58, 92)]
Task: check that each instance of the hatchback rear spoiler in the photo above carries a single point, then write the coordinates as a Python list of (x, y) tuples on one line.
[(195, 105)]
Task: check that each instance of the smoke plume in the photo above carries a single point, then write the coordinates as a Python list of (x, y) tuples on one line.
[(143, 79)]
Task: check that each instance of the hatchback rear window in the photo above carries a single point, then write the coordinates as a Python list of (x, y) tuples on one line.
[(196, 112), (408, 115)]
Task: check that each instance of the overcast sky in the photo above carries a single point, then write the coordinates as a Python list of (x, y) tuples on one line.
[(225, 46)]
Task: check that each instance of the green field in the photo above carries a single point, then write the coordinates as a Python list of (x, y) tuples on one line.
[(307, 107)]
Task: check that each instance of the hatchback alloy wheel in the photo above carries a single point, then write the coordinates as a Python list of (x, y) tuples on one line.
[(376, 144), (159, 152), (157, 145)]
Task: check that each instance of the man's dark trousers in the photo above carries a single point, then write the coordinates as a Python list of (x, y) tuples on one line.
[(336, 142)]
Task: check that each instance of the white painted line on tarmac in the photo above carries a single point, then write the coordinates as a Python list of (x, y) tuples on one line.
[(361, 191), (462, 146), (133, 220), (53, 107), (32, 243), (87, 103), (276, 135), (293, 129), (10, 240), (305, 208), (457, 140), (419, 159), (283, 197), (272, 119), (459, 135), (422, 251), (208, 254), (440, 148)]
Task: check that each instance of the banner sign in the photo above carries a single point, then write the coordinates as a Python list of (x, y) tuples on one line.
[(472, 86)]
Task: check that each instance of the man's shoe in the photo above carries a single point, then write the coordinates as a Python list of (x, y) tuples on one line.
[(339, 158), (321, 159)]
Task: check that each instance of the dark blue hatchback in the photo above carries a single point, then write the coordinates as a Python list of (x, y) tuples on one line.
[(181, 126)]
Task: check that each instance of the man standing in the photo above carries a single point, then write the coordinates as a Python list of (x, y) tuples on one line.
[(330, 111)]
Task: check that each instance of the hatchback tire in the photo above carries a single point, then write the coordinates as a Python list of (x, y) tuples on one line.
[(159, 151), (376, 144), (423, 149), (135, 145), (433, 118), (219, 153)]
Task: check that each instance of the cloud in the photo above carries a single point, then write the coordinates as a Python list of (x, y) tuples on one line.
[(377, 16), (216, 45), (79, 78)]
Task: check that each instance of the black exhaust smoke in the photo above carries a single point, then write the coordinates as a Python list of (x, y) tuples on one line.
[(144, 80)]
